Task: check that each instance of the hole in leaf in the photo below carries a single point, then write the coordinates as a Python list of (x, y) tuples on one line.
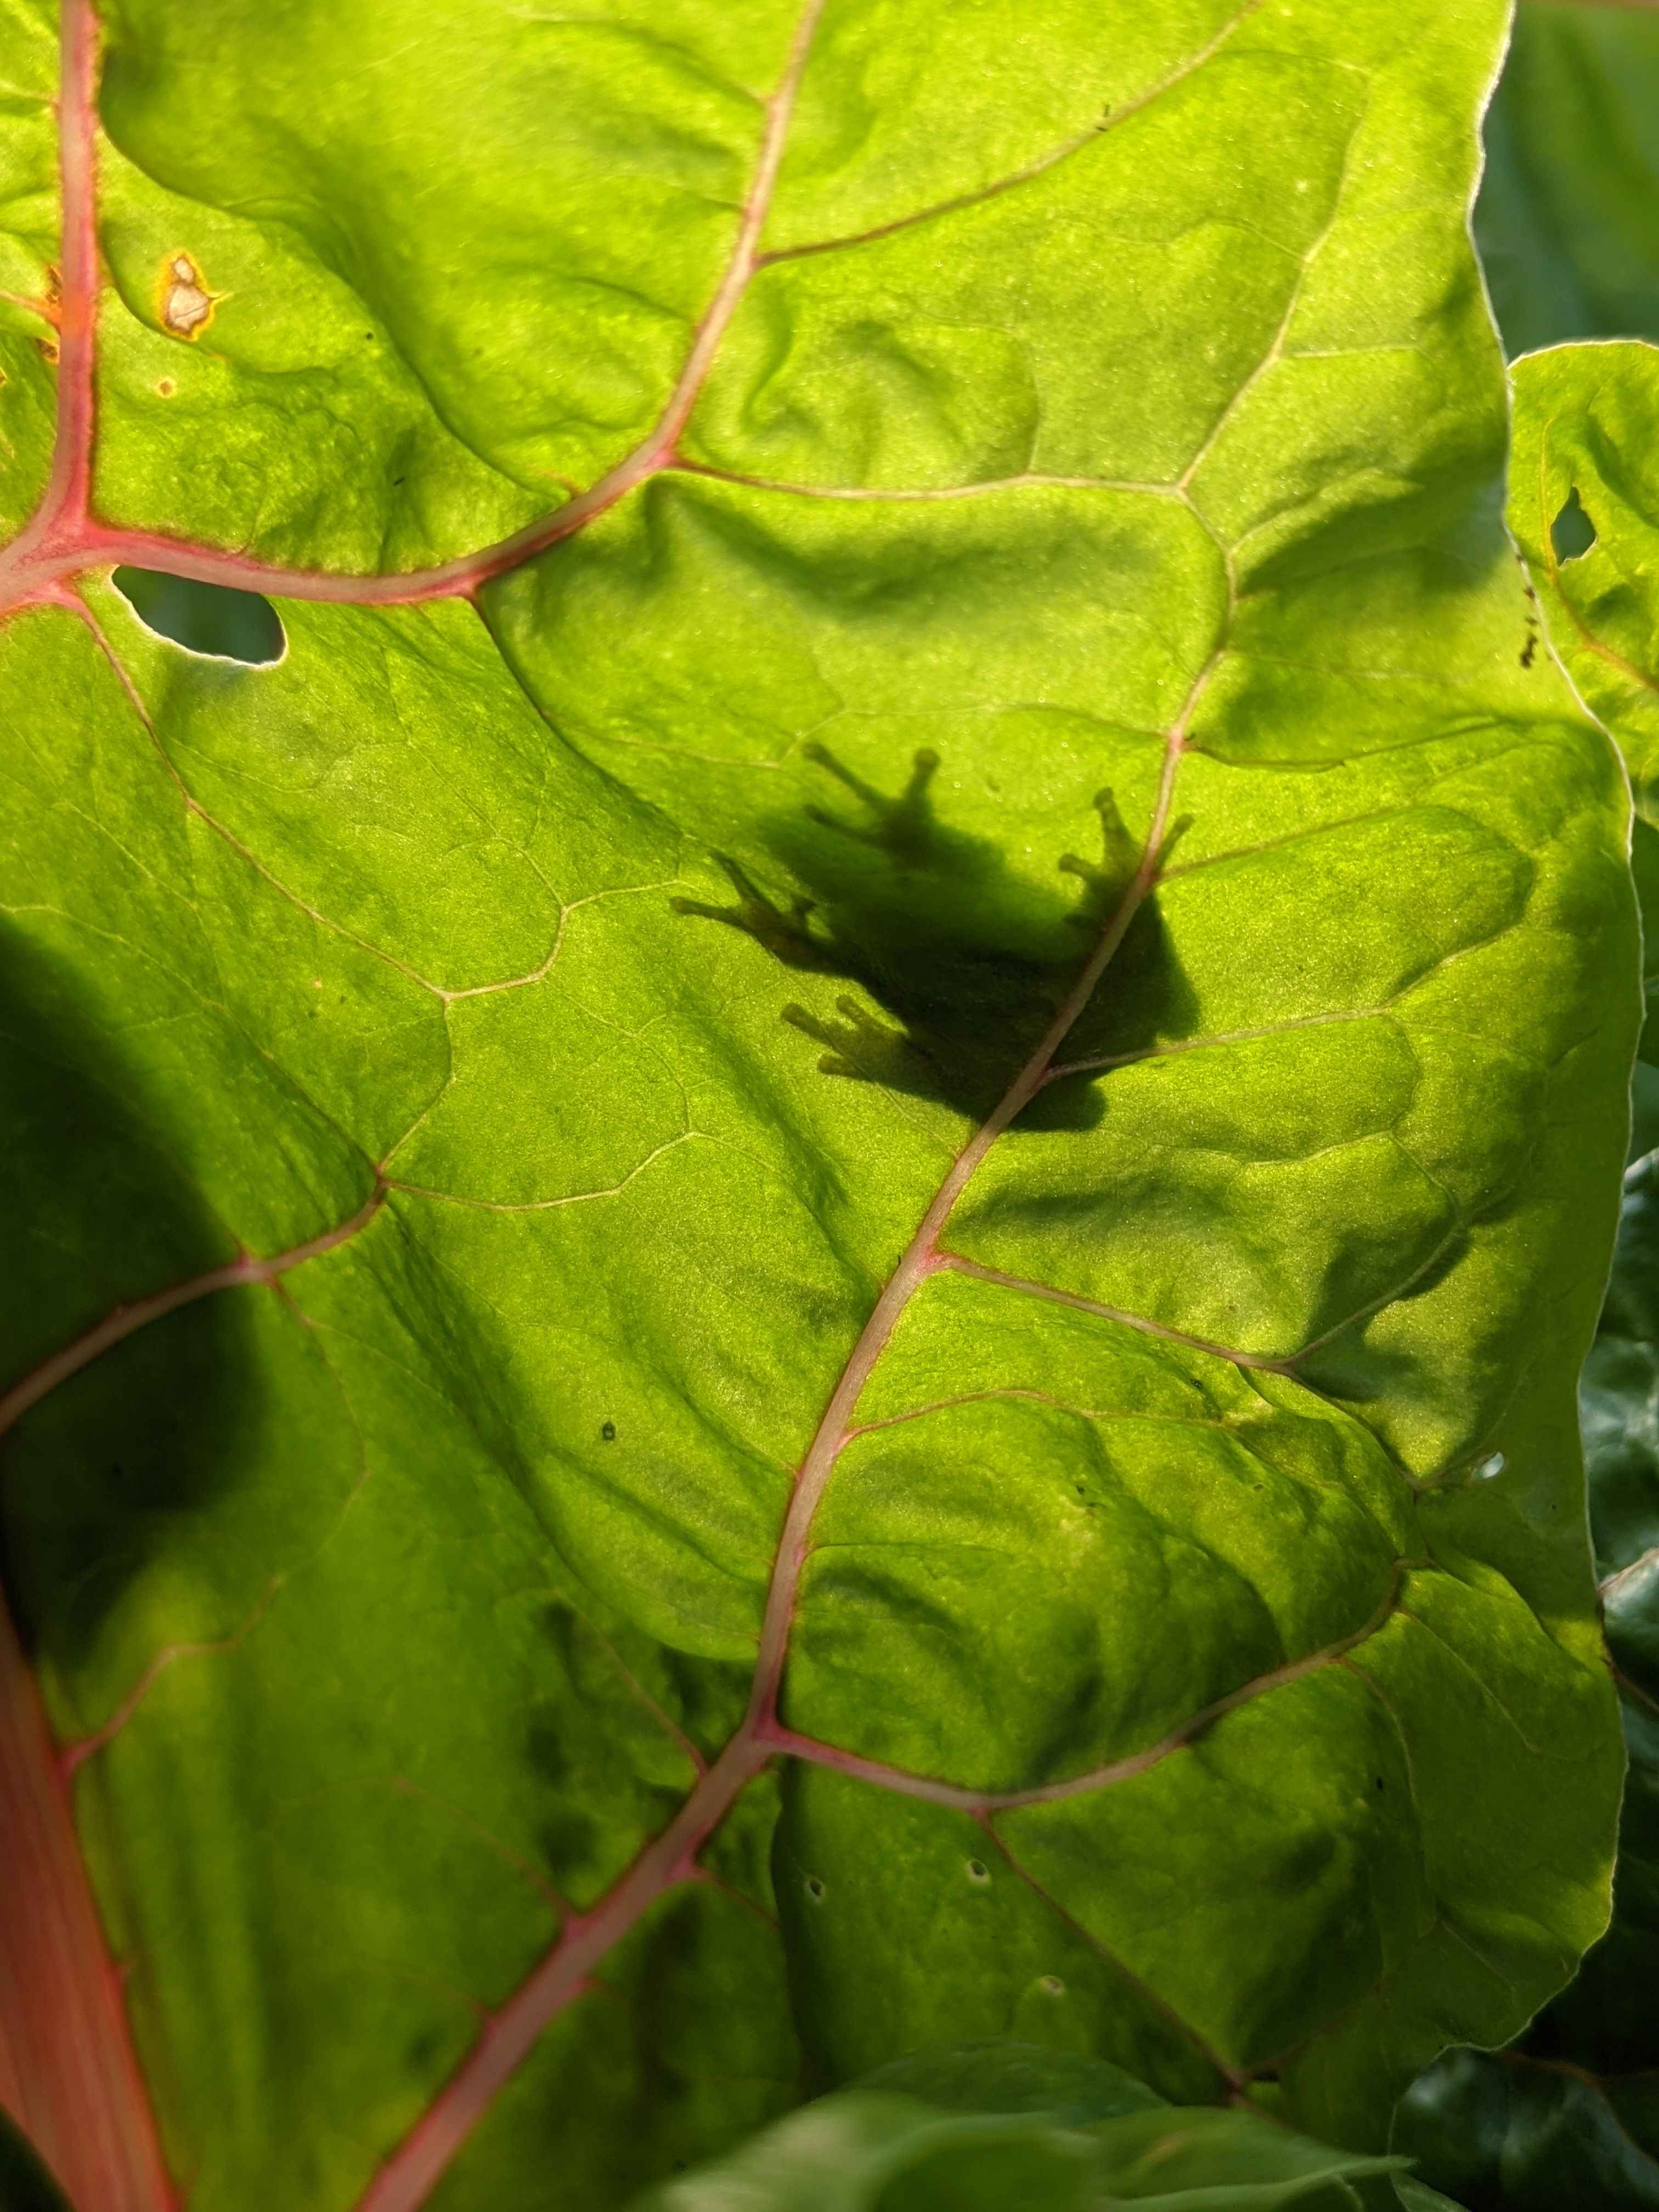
[(205, 618), (815, 1889), (1483, 1470), (978, 1871), (1572, 533)]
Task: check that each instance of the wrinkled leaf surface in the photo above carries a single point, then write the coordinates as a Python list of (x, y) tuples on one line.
[(1570, 2115), (869, 2150), (1023, 592)]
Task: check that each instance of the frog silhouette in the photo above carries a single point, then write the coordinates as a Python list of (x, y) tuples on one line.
[(960, 960)]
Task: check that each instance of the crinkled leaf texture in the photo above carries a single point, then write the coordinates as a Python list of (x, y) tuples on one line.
[(1571, 2114), (982, 2127), (802, 1242), (880, 2149), (1565, 220), (1584, 510)]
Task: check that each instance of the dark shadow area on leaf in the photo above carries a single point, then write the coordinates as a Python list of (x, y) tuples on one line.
[(96, 1214), (25, 2184), (205, 618), (1504, 2133), (1357, 1372), (967, 961)]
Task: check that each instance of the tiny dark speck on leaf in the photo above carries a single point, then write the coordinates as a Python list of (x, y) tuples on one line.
[(608, 1430), (1530, 649)]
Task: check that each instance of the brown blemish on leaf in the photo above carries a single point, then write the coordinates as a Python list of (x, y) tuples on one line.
[(184, 302), (48, 351), (166, 387), (45, 304)]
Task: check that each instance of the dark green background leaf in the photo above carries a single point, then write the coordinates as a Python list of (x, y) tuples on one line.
[(1565, 222)]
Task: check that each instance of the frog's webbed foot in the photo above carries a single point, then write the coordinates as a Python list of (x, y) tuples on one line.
[(859, 1046), (901, 826), (1107, 880), (786, 935)]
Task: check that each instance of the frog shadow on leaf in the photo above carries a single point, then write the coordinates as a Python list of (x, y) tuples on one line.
[(965, 961)]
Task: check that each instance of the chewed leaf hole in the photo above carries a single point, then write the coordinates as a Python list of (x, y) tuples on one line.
[(1572, 533), (208, 619), (815, 1889), (1484, 1469), (977, 1871)]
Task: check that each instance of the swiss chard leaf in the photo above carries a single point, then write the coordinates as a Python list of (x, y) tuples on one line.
[(802, 1241), (980, 2127), (1584, 508), (869, 2150), (1570, 2115), (1572, 2111)]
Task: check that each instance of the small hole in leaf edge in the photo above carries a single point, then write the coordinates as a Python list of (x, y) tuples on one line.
[(209, 620), (1572, 533)]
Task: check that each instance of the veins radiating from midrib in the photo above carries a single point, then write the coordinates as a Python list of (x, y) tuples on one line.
[(987, 1804), (414, 2168), (1037, 167)]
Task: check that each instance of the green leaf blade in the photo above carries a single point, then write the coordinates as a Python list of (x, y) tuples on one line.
[(580, 1002)]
